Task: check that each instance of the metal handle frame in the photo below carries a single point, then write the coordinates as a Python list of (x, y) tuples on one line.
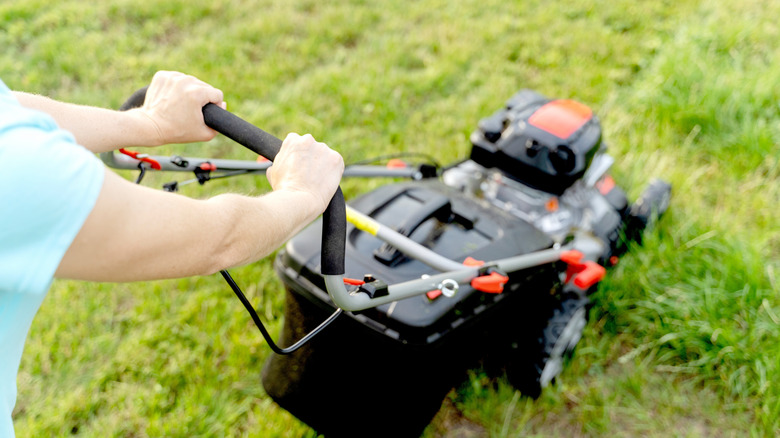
[(343, 297)]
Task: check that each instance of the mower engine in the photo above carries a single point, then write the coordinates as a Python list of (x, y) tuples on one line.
[(544, 161)]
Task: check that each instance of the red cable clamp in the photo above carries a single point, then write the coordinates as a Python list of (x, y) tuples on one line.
[(143, 158), (490, 280), (585, 274), (492, 283), (203, 171)]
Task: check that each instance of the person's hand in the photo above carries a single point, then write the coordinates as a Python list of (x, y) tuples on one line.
[(306, 165), (174, 103)]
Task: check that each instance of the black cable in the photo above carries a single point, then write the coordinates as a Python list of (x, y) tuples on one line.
[(260, 325), (137, 100), (142, 168), (248, 305), (212, 177), (231, 173)]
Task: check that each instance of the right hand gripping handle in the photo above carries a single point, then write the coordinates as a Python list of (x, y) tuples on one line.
[(334, 219)]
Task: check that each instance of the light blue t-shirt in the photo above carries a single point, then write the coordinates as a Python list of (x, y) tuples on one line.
[(48, 187)]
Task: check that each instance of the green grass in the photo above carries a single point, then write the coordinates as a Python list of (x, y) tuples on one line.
[(684, 337)]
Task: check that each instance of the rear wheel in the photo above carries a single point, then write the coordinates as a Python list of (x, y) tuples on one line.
[(536, 363)]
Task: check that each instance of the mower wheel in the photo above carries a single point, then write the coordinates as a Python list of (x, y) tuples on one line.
[(536, 364)]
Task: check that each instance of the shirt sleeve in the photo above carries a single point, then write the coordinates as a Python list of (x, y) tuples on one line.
[(48, 187)]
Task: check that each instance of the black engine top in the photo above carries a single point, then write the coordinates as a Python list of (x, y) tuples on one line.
[(546, 144)]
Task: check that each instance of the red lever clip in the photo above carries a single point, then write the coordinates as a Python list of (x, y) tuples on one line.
[(353, 282), (142, 157), (492, 283), (591, 275), (471, 261), (433, 294), (585, 274)]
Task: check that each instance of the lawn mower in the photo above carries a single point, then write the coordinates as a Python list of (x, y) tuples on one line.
[(487, 262)]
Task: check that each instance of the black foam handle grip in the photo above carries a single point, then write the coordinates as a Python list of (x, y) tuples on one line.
[(334, 219), (135, 100), (334, 235), (241, 131)]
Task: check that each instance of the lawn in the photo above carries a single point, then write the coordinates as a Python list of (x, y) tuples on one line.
[(684, 335)]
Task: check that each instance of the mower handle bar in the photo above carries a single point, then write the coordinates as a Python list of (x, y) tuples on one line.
[(334, 223)]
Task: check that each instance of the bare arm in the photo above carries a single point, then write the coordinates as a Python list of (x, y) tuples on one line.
[(136, 233), (97, 129), (171, 114)]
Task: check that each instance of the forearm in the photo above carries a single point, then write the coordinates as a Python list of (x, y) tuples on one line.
[(97, 129), (135, 233), (255, 227)]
